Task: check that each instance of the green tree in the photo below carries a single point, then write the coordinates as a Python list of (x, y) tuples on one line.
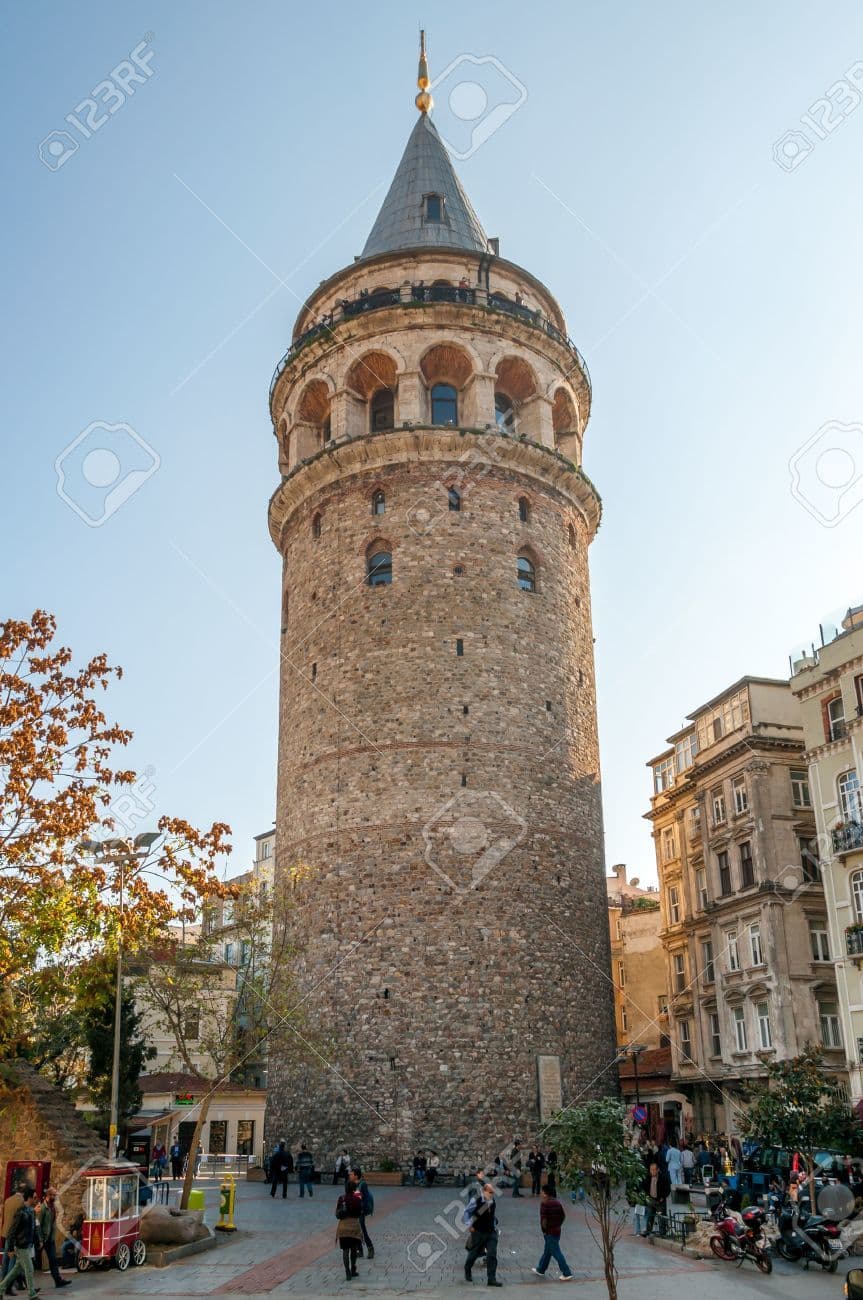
[(801, 1108), (594, 1148), (98, 1031)]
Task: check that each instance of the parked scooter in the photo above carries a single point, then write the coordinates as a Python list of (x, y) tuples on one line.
[(737, 1241), (809, 1237)]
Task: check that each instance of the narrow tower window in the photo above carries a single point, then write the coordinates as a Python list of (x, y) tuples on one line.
[(380, 569), (316, 526), (526, 573), (504, 413), (382, 410), (379, 503), (454, 498), (572, 538), (523, 509), (433, 208), (459, 649), (444, 404)]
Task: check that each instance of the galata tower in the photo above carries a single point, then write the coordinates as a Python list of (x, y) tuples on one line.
[(439, 821)]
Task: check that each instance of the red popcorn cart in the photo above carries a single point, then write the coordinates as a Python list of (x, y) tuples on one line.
[(112, 1221)]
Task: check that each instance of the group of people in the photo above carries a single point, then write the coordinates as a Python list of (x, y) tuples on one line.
[(161, 1155), (480, 1217), (425, 1168), (281, 1165), (29, 1228)]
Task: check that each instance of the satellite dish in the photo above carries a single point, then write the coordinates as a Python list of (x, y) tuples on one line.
[(835, 1202)]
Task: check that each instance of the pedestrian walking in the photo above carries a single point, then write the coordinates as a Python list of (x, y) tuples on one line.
[(674, 1162), (348, 1234), (46, 1222), (551, 1217), (176, 1154), (11, 1206), (357, 1183), (342, 1168), (281, 1165), (305, 1170), (481, 1215), (419, 1168), (656, 1188), (160, 1159), (536, 1165), (687, 1163), (21, 1240), (551, 1171), (432, 1168)]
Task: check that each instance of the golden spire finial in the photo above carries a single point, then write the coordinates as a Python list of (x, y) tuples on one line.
[(423, 101)]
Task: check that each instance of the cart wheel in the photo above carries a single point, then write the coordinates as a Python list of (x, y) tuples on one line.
[(82, 1263), (139, 1252), (123, 1256)]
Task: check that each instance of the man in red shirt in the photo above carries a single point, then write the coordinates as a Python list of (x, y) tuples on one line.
[(551, 1217)]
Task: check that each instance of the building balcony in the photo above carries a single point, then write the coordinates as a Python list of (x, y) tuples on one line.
[(414, 296), (847, 838), (854, 941)]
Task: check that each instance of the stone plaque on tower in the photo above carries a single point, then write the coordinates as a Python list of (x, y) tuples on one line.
[(550, 1086)]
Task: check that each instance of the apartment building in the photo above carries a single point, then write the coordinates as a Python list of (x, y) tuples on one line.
[(828, 683), (744, 924)]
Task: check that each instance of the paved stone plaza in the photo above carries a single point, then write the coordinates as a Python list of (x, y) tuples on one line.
[(288, 1248)]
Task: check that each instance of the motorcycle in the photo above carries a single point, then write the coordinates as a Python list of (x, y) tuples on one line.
[(736, 1241), (809, 1237)]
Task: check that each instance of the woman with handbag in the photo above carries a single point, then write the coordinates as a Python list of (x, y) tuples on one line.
[(349, 1237)]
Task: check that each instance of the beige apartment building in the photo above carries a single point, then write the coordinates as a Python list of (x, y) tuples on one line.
[(829, 686), (637, 961), (744, 923)]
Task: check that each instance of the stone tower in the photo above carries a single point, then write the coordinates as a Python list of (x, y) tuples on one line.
[(438, 780)]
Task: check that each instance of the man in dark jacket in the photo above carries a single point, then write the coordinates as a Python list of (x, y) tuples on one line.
[(176, 1154), (657, 1186), (551, 1217), (47, 1235), (482, 1212), (22, 1239), (305, 1170), (536, 1164), (281, 1165), (357, 1183)]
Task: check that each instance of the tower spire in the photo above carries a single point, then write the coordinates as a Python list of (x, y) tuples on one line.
[(423, 101)]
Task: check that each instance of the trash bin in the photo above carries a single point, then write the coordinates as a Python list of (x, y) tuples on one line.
[(196, 1200)]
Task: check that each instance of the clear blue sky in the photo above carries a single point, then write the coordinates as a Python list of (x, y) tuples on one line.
[(716, 296)]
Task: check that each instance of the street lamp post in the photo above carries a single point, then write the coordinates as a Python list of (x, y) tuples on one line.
[(634, 1050), (122, 851)]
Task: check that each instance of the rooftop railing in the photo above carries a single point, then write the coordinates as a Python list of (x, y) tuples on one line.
[(413, 295)]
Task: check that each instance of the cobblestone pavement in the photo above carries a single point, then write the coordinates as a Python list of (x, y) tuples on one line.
[(287, 1248)]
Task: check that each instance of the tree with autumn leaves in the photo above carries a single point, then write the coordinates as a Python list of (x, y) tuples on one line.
[(59, 902)]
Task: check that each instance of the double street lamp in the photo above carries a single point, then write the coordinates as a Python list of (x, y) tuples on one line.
[(634, 1050), (125, 854)]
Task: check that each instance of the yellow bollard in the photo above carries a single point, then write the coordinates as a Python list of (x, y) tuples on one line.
[(227, 1196)]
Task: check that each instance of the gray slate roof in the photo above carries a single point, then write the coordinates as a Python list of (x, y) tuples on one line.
[(425, 168)]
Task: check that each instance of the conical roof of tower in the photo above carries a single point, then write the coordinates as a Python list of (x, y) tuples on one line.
[(425, 168)]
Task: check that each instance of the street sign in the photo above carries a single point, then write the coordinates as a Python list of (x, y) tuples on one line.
[(639, 1114)]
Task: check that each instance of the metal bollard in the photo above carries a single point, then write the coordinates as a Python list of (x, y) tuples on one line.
[(227, 1196)]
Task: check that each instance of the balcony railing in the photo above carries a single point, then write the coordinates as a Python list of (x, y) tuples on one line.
[(848, 838), (460, 295), (854, 941)]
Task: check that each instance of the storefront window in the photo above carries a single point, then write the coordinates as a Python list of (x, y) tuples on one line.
[(246, 1137)]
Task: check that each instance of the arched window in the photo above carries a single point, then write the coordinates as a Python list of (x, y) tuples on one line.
[(856, 884), (383, 409), (379, 503), (444, 404), (504, 413), (523, 510), (454, 498), (380, 569), (526, 573), (316, 526), (850, 806)]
